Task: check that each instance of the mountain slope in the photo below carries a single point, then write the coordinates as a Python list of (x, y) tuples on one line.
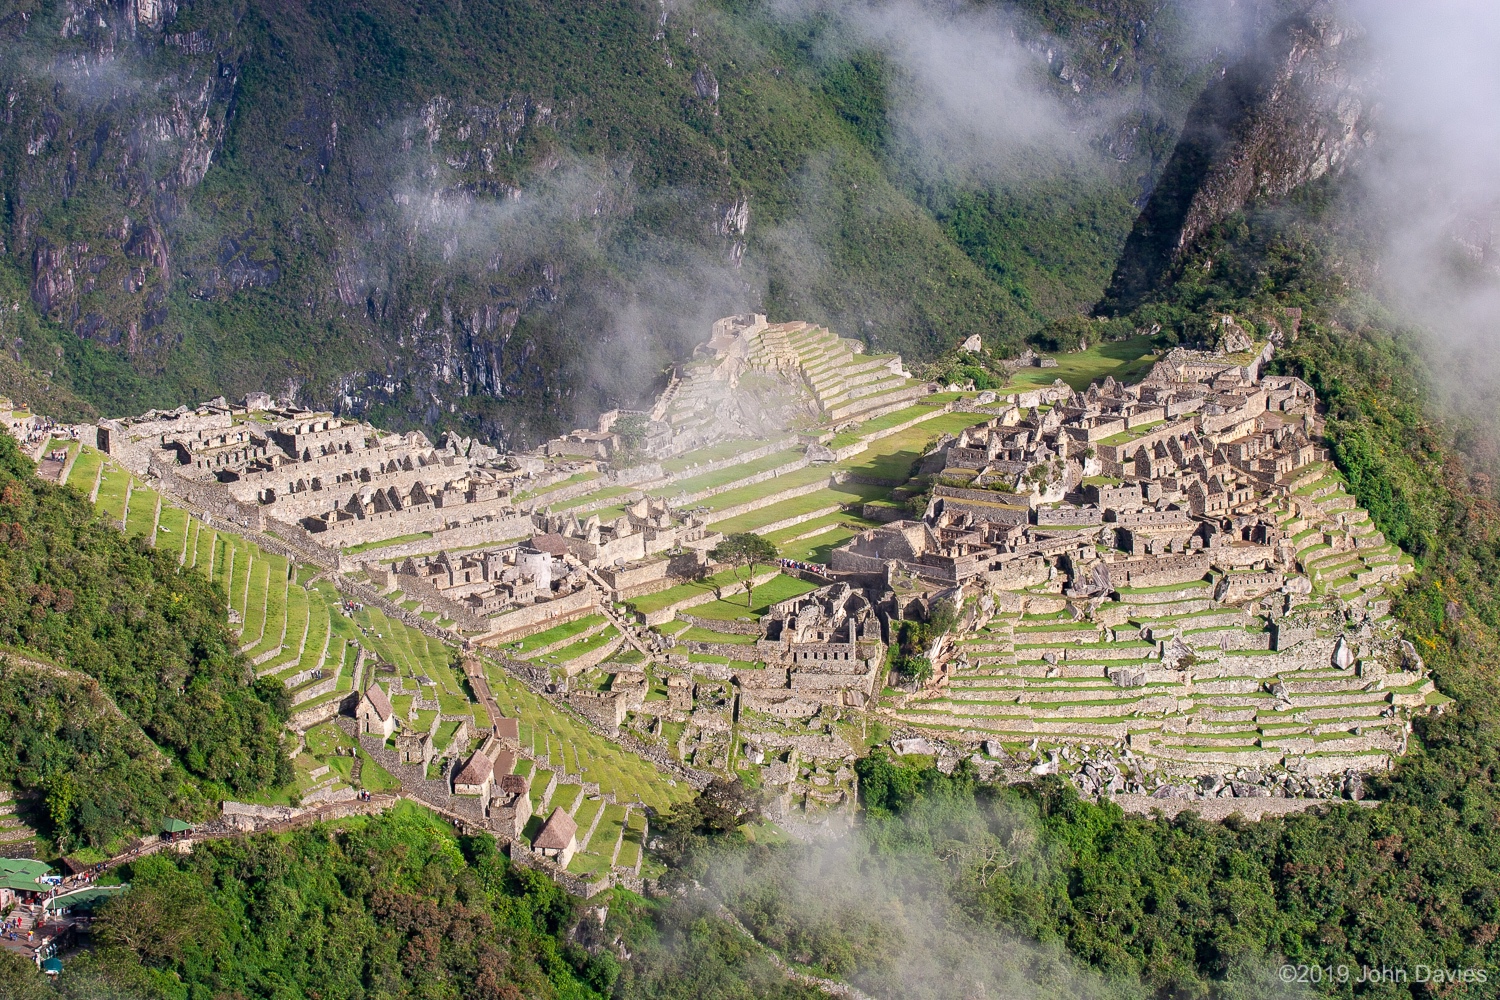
[(152, 638), (506, 215), (1292, 110)]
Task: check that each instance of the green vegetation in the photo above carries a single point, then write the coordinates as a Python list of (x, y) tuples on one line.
[(730, 474), (550, 731), (915, 254), (152, 637), (745, 553), (556, 633), (892, 458), (759, 491), (830, 499), (100, 776)]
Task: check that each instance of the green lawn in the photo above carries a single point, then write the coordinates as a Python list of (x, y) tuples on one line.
[(317, 631), (725, 580), (578, 649), (140, 517), (713, 453), (296, 626), (746, 494), (239, 573), (255, 604), (606, 835), (616, 770), (85, 470), (881, 423), (818, 548), (1127, 360), (276, 605), (555, 634), (172, 530), (113, 486), (734, 606), (892, 457), (786, 536)]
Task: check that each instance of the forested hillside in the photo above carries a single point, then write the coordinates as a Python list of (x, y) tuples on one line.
[(122, 696), (390, 906), (509, 215)]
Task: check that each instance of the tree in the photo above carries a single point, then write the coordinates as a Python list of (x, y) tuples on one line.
[(942, 617), (918, 668), (631, 428), (745, 551)]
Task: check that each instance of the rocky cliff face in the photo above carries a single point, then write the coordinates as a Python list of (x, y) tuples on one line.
[(1295, 109), (369, 238), (503, 216), (97, 160)]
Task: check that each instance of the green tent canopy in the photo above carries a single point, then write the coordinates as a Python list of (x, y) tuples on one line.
[(170, 825)]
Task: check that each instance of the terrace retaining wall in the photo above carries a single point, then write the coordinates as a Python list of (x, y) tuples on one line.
[(531, 619), (749, 506), (759, 477)]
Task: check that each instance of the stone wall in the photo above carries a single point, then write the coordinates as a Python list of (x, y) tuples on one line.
[(307, 718), (434, 793), (207, 495), (714, 625), (435, 600), (882, 514), (727, 649), (504, 529), (537, 617), (579, 664)]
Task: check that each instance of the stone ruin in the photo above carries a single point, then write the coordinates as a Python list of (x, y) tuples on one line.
[(1169, 575)]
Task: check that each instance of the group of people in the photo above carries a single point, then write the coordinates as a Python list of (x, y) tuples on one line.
[(12, 930)]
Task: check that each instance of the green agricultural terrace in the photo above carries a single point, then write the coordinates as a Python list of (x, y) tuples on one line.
[(290, 625)]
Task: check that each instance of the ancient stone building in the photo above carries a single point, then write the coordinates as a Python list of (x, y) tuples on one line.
[(558, 838), (1183, 464), (475, 777), (374, 713)]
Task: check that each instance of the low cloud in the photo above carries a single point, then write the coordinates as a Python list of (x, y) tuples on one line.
[(967, 95), (1432, 181), (903, 917)]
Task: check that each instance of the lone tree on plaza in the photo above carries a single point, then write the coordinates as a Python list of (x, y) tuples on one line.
[(746, 551)]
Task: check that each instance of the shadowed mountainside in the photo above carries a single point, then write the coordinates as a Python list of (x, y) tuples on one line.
[(1288, 113)]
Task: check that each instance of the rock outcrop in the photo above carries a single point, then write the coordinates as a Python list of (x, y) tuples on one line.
[(1291, 111)]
